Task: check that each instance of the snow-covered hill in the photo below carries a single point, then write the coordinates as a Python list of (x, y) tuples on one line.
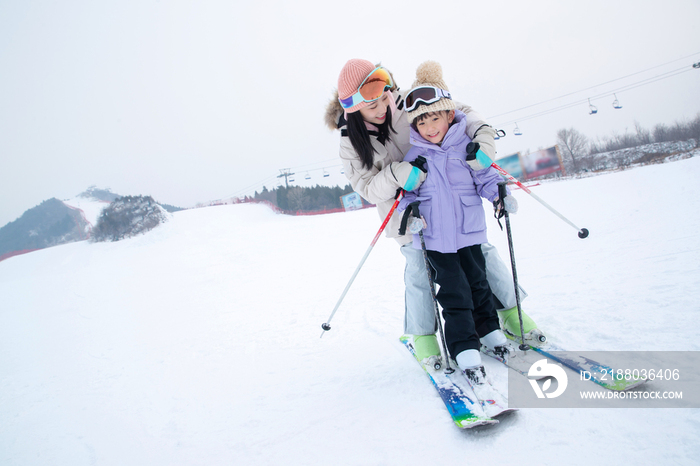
[(198, 343), (89, 207)]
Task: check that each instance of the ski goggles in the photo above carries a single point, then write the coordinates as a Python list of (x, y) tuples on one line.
[(371, 88), (424, 95)]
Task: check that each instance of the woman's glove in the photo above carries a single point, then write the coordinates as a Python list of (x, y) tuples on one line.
[(484, 137), (409, 175)]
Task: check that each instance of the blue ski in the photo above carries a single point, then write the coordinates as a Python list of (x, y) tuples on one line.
[(599, 373), (461, 403)]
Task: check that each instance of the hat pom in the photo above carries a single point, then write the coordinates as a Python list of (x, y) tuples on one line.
[(429, 72)]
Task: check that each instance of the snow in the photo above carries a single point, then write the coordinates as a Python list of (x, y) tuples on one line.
[(91, 208), (198, 342)]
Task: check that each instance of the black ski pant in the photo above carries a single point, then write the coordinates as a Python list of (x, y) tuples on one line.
[(467, 302)]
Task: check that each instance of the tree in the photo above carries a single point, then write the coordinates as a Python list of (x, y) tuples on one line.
[(298, 199), (572, 144), (128, 216)]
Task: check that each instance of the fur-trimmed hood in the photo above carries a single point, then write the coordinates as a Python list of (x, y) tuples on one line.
[(333, 112)]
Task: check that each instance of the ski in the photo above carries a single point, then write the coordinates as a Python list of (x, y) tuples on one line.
[(520, 363), (459, 399), (600, 373), (492, 401)]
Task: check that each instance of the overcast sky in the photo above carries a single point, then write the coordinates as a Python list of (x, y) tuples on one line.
[(191, 101)]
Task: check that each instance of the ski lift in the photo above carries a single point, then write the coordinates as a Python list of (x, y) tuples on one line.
[(592, 109), (616, 103), (517, 131), (307, 177), (342, 172), (325, 173), (499, 134)]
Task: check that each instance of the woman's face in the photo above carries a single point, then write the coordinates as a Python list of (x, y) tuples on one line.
[(375, 112)]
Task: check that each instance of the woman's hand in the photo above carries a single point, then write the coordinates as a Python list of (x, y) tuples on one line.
[(485, 138), (408, 176)]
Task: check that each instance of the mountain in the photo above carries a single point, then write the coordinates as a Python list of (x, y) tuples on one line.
[(55, 222), (98, 194), (50, 223)]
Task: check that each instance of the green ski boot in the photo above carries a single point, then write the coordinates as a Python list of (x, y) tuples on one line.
[(427, 350), (511, 327)]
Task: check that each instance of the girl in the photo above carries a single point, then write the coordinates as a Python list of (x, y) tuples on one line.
[(450, 202)]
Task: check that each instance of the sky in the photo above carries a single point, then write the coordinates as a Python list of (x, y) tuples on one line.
[(197, 101)]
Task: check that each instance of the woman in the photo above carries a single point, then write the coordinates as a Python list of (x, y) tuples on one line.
[(368, 110)]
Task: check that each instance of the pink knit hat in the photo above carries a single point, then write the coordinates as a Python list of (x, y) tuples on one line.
[(351, 76)]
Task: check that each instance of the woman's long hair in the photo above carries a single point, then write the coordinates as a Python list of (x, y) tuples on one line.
[(360, 136)]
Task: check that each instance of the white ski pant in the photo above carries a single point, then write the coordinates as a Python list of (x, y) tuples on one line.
[(420, 311)]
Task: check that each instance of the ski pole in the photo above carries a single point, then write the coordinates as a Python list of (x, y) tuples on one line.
[(474, 152), (501, 196), (413, 210), (326, 326)]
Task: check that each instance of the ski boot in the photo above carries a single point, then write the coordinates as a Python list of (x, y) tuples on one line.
[(497, 342), (427, 350), (511, 327)]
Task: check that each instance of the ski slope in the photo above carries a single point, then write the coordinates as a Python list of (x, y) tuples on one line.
[(198, 343), (91, 208)]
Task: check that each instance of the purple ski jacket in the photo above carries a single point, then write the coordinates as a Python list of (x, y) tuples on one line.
[(450, 196)]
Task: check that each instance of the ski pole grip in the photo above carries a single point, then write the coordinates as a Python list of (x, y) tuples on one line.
[(472, 149), (411, 210), (415, 211), (419, 163), (502, 193)]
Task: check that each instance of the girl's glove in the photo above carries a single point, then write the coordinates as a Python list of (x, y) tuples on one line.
[(412, 219), (510, 204), (415, 224), (409, 175)]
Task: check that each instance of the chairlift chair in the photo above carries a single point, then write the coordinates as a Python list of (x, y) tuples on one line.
[(517, 131), (616, 103), (307, 177), (592, 109), (325, 173), (499, 134)]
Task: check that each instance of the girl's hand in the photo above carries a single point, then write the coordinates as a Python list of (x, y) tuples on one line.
[(509, 203)]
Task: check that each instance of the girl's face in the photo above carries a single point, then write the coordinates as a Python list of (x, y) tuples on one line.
[(375, 112), (434, 127)]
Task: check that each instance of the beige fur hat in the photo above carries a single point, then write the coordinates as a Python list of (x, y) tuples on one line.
[(429, 73)]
